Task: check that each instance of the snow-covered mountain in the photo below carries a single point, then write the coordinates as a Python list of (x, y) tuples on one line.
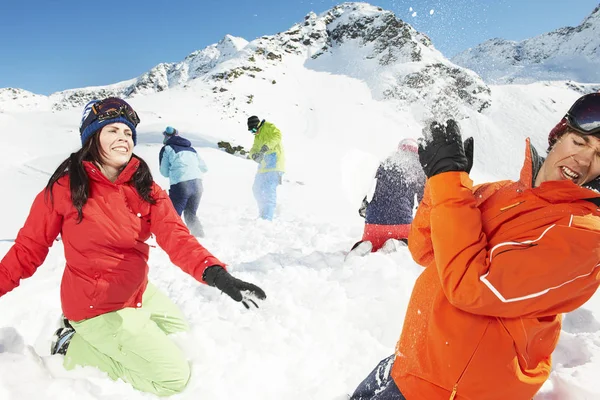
[(566, 53), (344, 87), (355, 39)]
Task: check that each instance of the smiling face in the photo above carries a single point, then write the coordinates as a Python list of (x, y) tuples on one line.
[(574, 157), (116, 145)]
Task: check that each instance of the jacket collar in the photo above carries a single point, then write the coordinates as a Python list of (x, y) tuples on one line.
[(555, 191), (125, 176)]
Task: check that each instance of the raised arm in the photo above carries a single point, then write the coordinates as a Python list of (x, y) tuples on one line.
[(31, 246)]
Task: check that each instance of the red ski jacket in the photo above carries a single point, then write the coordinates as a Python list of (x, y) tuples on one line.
[(106, 254)]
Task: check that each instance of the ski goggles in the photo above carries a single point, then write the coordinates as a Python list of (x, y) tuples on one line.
[(584, 114), (253, 130), (111, 108)]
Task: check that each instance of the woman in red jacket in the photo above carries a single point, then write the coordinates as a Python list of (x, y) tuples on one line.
[(502, 262), (105, 204)]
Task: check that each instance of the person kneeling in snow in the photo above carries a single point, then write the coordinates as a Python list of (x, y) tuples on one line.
[(389, 212), (267, 151), (180, 162), (104, 203), (503, 261)]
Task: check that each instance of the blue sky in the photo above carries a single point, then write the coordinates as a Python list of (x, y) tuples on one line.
[(52, 45)]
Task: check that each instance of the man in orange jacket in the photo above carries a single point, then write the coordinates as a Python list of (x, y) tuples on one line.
[(503, 261)]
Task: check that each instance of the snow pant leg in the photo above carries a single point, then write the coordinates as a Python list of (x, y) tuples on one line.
[(265, 193), (378, 234), (179, 195), (379, 385), (132, 344), (195, 190)]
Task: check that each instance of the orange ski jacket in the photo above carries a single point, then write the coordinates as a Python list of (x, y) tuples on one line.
[(106, 254), (503, 261)]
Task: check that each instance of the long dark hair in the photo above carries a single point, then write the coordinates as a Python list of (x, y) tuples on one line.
[(80, 182)]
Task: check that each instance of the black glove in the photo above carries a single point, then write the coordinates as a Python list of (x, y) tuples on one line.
[(468, 145), (264, 148), (442, 149), (218, 277), (362, 211)]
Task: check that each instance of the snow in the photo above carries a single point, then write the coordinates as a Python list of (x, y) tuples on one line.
[(326, 322)]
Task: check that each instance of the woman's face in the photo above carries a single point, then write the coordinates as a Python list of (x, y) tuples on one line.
[(574, 157), (116, 145)]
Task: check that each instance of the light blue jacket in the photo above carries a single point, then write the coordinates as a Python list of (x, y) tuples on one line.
[(179, 161)]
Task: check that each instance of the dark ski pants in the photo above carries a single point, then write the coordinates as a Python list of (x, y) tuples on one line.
[(185, 197), (379, 385)]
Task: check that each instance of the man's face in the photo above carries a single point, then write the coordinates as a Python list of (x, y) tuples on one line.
[(574, 157)]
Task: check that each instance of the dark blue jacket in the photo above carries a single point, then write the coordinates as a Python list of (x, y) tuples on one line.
[(399, 178)]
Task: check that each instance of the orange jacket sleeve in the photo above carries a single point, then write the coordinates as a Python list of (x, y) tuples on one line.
[(175, 238), (552, 273), (419, 237), (31, 246)]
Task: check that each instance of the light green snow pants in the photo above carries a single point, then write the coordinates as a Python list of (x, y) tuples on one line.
[(132, 344)]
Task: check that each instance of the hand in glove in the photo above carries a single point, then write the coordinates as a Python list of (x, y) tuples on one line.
[(442, 149), (362, 211), (468, 145), (258, 157), (218, 277)]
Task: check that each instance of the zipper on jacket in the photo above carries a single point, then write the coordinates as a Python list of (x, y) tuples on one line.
[(454, 390), (512, 206), (455, 387)]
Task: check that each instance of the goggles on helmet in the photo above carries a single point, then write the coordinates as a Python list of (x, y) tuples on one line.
[(584, 114)]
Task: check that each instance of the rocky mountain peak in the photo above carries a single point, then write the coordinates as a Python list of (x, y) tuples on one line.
[(568, 53)]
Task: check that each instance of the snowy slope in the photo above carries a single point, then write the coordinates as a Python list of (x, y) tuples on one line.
[(566, 53), (326, 322)]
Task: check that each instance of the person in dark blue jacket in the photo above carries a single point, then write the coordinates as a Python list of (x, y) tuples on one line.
[(180, 162), (388, 211)]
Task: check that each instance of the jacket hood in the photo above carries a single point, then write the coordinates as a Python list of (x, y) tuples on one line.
[(178, 141)]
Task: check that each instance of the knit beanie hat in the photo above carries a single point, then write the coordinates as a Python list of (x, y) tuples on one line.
[(409, 145), (170, 131), (556, 132), (253, 122), (90, 122)]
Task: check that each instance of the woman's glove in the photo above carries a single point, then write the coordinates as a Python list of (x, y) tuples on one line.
[(218, 277)]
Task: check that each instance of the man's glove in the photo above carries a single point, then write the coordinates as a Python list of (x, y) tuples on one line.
[(258, 157), (468, 145), (442, 149), (218, 277)]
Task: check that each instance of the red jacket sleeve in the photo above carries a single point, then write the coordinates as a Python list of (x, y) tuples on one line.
[(175, 238), (31, 246), (555, 271)]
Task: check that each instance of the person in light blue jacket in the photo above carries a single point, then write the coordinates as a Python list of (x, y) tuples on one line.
[(180, 162)]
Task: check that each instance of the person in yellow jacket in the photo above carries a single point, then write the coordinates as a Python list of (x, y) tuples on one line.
[(503, 261), (267, 151)]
